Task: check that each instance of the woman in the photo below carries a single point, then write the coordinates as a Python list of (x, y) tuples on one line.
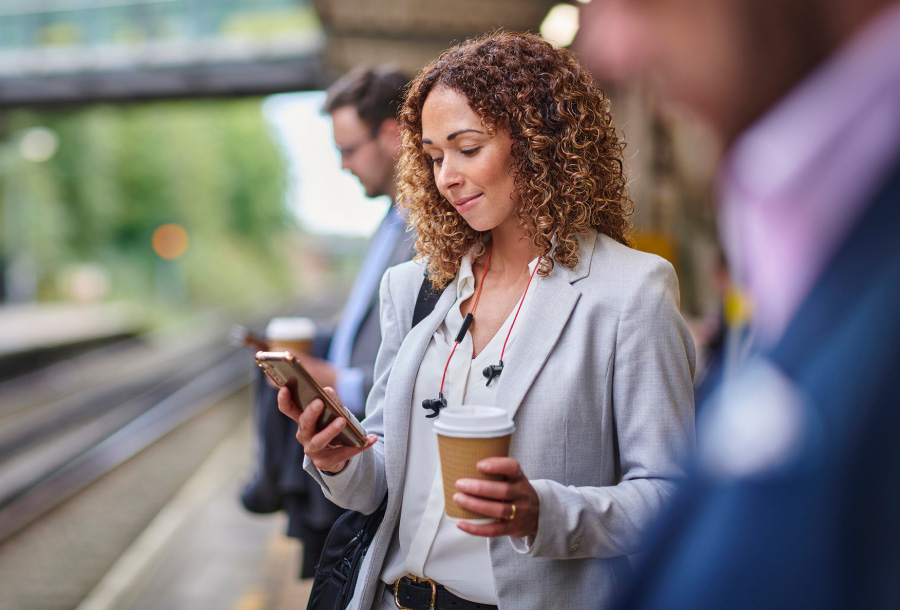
[(510, 165)]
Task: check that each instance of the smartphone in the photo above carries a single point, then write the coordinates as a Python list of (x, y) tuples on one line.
[(286, 371)]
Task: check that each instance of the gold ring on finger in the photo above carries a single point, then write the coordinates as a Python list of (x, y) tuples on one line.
[(512, 515)]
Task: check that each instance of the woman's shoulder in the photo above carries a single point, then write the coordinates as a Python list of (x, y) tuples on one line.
[(405, 277), (619, 274), (618, 260)]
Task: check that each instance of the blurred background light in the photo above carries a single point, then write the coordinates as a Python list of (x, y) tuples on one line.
[(170, 241), (39, 144), (561, 24), (84, 283)]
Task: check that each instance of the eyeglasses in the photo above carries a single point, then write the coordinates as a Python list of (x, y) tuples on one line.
[(349, 151)]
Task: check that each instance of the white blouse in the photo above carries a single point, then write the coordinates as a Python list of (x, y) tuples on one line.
[(427, 543)]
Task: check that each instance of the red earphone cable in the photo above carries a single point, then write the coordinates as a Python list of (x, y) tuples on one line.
[(522, 302), (472, 314), (487, 264)]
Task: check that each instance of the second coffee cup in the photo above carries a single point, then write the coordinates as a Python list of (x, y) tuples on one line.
[(292, 334), (467, 434)]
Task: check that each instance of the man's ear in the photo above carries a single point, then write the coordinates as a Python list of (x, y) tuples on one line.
[(389, 136)]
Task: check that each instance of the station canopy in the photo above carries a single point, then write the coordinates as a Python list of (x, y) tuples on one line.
[(62, 52)]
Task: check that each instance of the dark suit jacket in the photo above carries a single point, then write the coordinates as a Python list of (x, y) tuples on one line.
[(368, 336), (821, 529)]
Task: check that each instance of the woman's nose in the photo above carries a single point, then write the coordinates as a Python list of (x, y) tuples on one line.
[(447, 175)]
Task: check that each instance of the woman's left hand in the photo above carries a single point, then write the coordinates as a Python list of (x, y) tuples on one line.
[(513, 502)]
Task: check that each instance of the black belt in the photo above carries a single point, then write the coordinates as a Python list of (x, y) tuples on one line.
[(413, 593)]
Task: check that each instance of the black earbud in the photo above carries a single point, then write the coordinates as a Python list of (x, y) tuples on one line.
[(435, 404), (492, 371)]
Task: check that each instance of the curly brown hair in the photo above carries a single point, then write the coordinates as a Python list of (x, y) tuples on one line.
[(567, 156)]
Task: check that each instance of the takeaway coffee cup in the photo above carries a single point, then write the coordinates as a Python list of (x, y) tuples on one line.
[(467, 434), (292, 334)]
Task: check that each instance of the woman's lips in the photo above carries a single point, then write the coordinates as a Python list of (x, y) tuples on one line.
[(464, 204)]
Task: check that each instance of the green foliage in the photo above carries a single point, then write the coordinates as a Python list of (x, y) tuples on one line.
[(120, 172)]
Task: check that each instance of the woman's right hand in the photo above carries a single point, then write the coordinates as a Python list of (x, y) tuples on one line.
[(325, 454)]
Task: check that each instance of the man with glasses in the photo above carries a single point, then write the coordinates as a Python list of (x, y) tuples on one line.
[(363, 106)]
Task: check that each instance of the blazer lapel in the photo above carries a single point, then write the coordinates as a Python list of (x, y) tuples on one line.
[(542, 323), (398, 394)]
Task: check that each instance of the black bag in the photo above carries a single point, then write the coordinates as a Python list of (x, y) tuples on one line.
[(353, 532), (342, 556)]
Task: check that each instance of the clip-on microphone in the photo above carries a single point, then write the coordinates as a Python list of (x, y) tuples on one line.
[(492, 371), (435, 404)]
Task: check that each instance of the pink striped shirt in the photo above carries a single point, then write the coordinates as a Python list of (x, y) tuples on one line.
[(798, 180)]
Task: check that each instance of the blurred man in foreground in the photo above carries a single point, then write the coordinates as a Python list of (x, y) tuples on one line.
[(363, 106), (796, 498)]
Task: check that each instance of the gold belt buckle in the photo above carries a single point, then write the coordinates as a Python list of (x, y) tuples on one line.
[(414, 579)]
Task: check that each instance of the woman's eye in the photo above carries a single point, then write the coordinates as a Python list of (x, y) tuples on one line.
[(433, 162), (471, 151)]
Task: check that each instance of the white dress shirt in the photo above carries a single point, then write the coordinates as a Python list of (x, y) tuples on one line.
[(428, 543)]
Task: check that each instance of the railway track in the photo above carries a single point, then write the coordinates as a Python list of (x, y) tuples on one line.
[(50, 452), (66, 426)]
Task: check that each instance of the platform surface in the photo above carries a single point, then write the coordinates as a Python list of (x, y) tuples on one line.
[(204, 551), (28, 327)]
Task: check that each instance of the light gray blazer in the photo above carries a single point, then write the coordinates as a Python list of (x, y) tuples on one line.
[(600, 381)]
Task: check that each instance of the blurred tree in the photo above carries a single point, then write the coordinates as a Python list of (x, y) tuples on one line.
[(120, 172)]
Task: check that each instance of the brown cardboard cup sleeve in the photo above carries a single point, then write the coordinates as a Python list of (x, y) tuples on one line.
[(467, 434)]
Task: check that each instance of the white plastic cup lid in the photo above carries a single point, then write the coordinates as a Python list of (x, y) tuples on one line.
[(474, 421), (291, 329)]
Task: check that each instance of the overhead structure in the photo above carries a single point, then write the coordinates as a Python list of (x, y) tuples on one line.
[(55, 52), (159, 71), (58, 52), (410, 33)]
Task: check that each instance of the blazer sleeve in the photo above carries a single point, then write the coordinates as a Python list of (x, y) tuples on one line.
[(653, 409), (361, 486)]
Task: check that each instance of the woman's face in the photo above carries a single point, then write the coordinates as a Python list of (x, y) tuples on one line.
[(472, 169)]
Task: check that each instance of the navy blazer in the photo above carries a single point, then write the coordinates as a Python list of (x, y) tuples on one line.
[(819, 527)]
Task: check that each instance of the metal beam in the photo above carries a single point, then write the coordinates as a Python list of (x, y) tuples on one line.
[(158, 70)]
